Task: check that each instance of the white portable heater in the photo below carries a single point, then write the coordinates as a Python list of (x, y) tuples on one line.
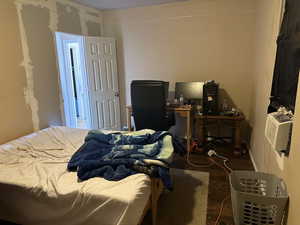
[(278, 130)]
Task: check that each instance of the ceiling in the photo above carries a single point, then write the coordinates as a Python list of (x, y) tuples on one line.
[(122, 4)]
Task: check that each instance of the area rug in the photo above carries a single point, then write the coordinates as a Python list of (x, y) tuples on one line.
[(187, 204)]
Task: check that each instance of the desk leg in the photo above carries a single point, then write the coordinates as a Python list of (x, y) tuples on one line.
[(201, 131), (129, 120), (237, 138), (188, 132)]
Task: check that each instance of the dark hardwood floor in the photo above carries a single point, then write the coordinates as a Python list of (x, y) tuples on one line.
[(219, 187)]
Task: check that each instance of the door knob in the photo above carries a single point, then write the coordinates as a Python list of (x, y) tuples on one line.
[(117, 94)]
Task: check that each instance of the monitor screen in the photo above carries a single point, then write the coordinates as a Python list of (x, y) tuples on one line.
[(189, 90)]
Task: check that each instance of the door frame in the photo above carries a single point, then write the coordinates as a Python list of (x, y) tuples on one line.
[(66, 98)]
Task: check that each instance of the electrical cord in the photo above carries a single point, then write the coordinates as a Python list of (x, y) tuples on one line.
[(227, 170), (189, 162), (219, 165), (221, 210), (210, 153), (225, 199), (225, 160)]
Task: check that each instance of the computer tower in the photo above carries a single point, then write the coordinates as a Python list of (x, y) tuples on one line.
[(210, 98)]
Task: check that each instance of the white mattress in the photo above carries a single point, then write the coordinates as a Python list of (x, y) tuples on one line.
[(36, 188)]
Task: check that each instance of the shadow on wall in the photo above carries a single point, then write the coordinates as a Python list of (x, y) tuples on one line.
[(246, 127)]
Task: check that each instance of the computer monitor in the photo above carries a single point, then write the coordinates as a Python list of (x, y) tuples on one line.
[(189, 90)]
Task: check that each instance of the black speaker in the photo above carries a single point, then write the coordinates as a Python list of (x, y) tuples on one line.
[(210, 98)]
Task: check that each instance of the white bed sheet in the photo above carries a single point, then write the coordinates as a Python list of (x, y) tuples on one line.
[(36, 188)]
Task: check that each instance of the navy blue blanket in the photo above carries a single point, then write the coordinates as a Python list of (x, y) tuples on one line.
[(116, 156)]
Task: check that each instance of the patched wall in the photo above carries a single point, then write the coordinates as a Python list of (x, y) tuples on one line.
[(42, 53), (30, 93), (15, 115), (68, 19), (93, 28)]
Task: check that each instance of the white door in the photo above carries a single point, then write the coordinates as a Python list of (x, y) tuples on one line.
[(101, 64)]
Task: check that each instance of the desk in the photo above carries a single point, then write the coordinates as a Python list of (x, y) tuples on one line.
[(236, 120), (184, 111)]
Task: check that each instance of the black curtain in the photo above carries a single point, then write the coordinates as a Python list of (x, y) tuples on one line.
[(286, 71)]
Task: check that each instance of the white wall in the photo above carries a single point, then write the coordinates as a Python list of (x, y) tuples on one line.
[(268, 20), (268, 23), (194, 40)]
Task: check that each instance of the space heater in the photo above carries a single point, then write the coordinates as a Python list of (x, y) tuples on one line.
[(278, 131)]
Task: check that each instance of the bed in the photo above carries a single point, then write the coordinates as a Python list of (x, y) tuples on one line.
[(36, 188)]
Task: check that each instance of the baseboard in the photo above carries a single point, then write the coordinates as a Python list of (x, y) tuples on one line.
[(252, 160)]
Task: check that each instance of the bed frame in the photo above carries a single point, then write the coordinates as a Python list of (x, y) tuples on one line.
[(156, 190)]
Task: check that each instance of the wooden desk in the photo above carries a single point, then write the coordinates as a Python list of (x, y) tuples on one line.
[(184, 111), (201, 123)]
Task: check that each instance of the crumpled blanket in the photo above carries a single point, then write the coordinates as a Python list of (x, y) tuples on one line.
[(115, 156)]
